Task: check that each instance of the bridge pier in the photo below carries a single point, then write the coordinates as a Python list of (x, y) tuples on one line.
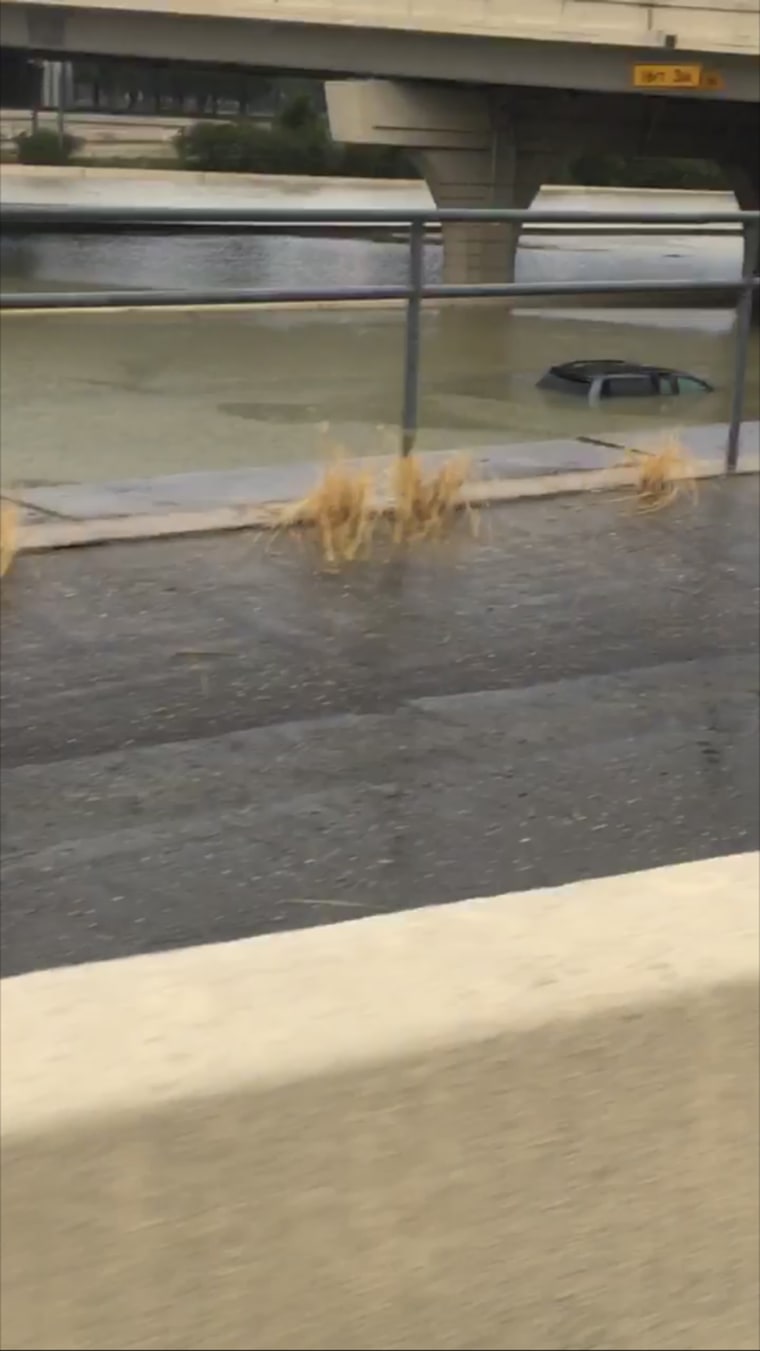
[(496, 176), (468, 150)]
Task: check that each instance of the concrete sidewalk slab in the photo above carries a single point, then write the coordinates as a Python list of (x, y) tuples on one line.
[(56, 516), (211, 489)]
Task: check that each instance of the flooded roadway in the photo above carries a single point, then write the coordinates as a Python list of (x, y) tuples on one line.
[(106, 395)]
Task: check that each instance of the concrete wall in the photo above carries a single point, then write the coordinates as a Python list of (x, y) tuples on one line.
[(87, 185), (522, 1122), (126, 137), (102, 135)]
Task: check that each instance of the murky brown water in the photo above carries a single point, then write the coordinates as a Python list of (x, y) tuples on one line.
[(101, 396)]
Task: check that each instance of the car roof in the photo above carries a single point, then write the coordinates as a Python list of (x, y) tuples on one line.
[(586, 371)]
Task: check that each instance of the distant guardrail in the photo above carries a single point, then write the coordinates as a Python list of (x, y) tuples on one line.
[(18, 220)]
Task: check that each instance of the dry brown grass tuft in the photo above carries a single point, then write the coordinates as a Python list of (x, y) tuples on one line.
[(339, 512), (8, 535), (350, 507), (425, 505), (665, 472)]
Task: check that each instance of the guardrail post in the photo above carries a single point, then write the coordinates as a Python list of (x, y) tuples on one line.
[(412, 340), (743, 331)]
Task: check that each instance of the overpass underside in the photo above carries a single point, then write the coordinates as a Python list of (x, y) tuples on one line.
[(496, 147)]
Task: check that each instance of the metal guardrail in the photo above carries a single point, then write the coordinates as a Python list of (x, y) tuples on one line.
[(24, 220), (176, 219)]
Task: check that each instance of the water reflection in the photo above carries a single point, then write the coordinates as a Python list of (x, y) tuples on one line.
[(51, 262)]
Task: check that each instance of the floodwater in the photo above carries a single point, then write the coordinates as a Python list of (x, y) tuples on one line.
[(104, 395)]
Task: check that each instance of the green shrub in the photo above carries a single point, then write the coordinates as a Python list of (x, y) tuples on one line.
[(245, 147), (45, 146), (618, 171), (374, 161), (298, 113), (296, 144), (210, 146)]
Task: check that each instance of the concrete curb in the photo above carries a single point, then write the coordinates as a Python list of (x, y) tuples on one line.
[(60, 533), (644, 299), (529, 1121)]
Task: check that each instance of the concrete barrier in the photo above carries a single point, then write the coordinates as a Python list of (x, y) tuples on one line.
[(89, 184), (528, 1122)]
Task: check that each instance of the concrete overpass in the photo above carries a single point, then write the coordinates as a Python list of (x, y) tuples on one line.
[(578, 44), (490, 96)]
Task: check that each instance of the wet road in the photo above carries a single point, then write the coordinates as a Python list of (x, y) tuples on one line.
[(206, 739)]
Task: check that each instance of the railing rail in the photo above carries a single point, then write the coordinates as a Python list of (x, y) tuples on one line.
[(18, 220), (111, 220)]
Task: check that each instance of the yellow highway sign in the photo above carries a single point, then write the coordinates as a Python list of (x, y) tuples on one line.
[(667, 77)]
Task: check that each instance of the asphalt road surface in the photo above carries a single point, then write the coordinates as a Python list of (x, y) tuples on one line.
[(210, 738)]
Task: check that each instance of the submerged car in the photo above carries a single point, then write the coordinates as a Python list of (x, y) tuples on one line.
[(610, 379)]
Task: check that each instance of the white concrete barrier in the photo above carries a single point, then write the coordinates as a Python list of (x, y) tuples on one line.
[(528, 1122)]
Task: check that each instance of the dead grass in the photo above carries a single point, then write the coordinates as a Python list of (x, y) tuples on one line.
[(425, 504), (339, 512), (8, 534), (349, 509), (665, 472)]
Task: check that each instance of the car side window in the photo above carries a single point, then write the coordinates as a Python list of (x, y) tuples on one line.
[(688, 385), (666, 384), (627, 387)]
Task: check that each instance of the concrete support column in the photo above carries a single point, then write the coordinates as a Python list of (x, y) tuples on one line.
[(468, 148), (494, 177)]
